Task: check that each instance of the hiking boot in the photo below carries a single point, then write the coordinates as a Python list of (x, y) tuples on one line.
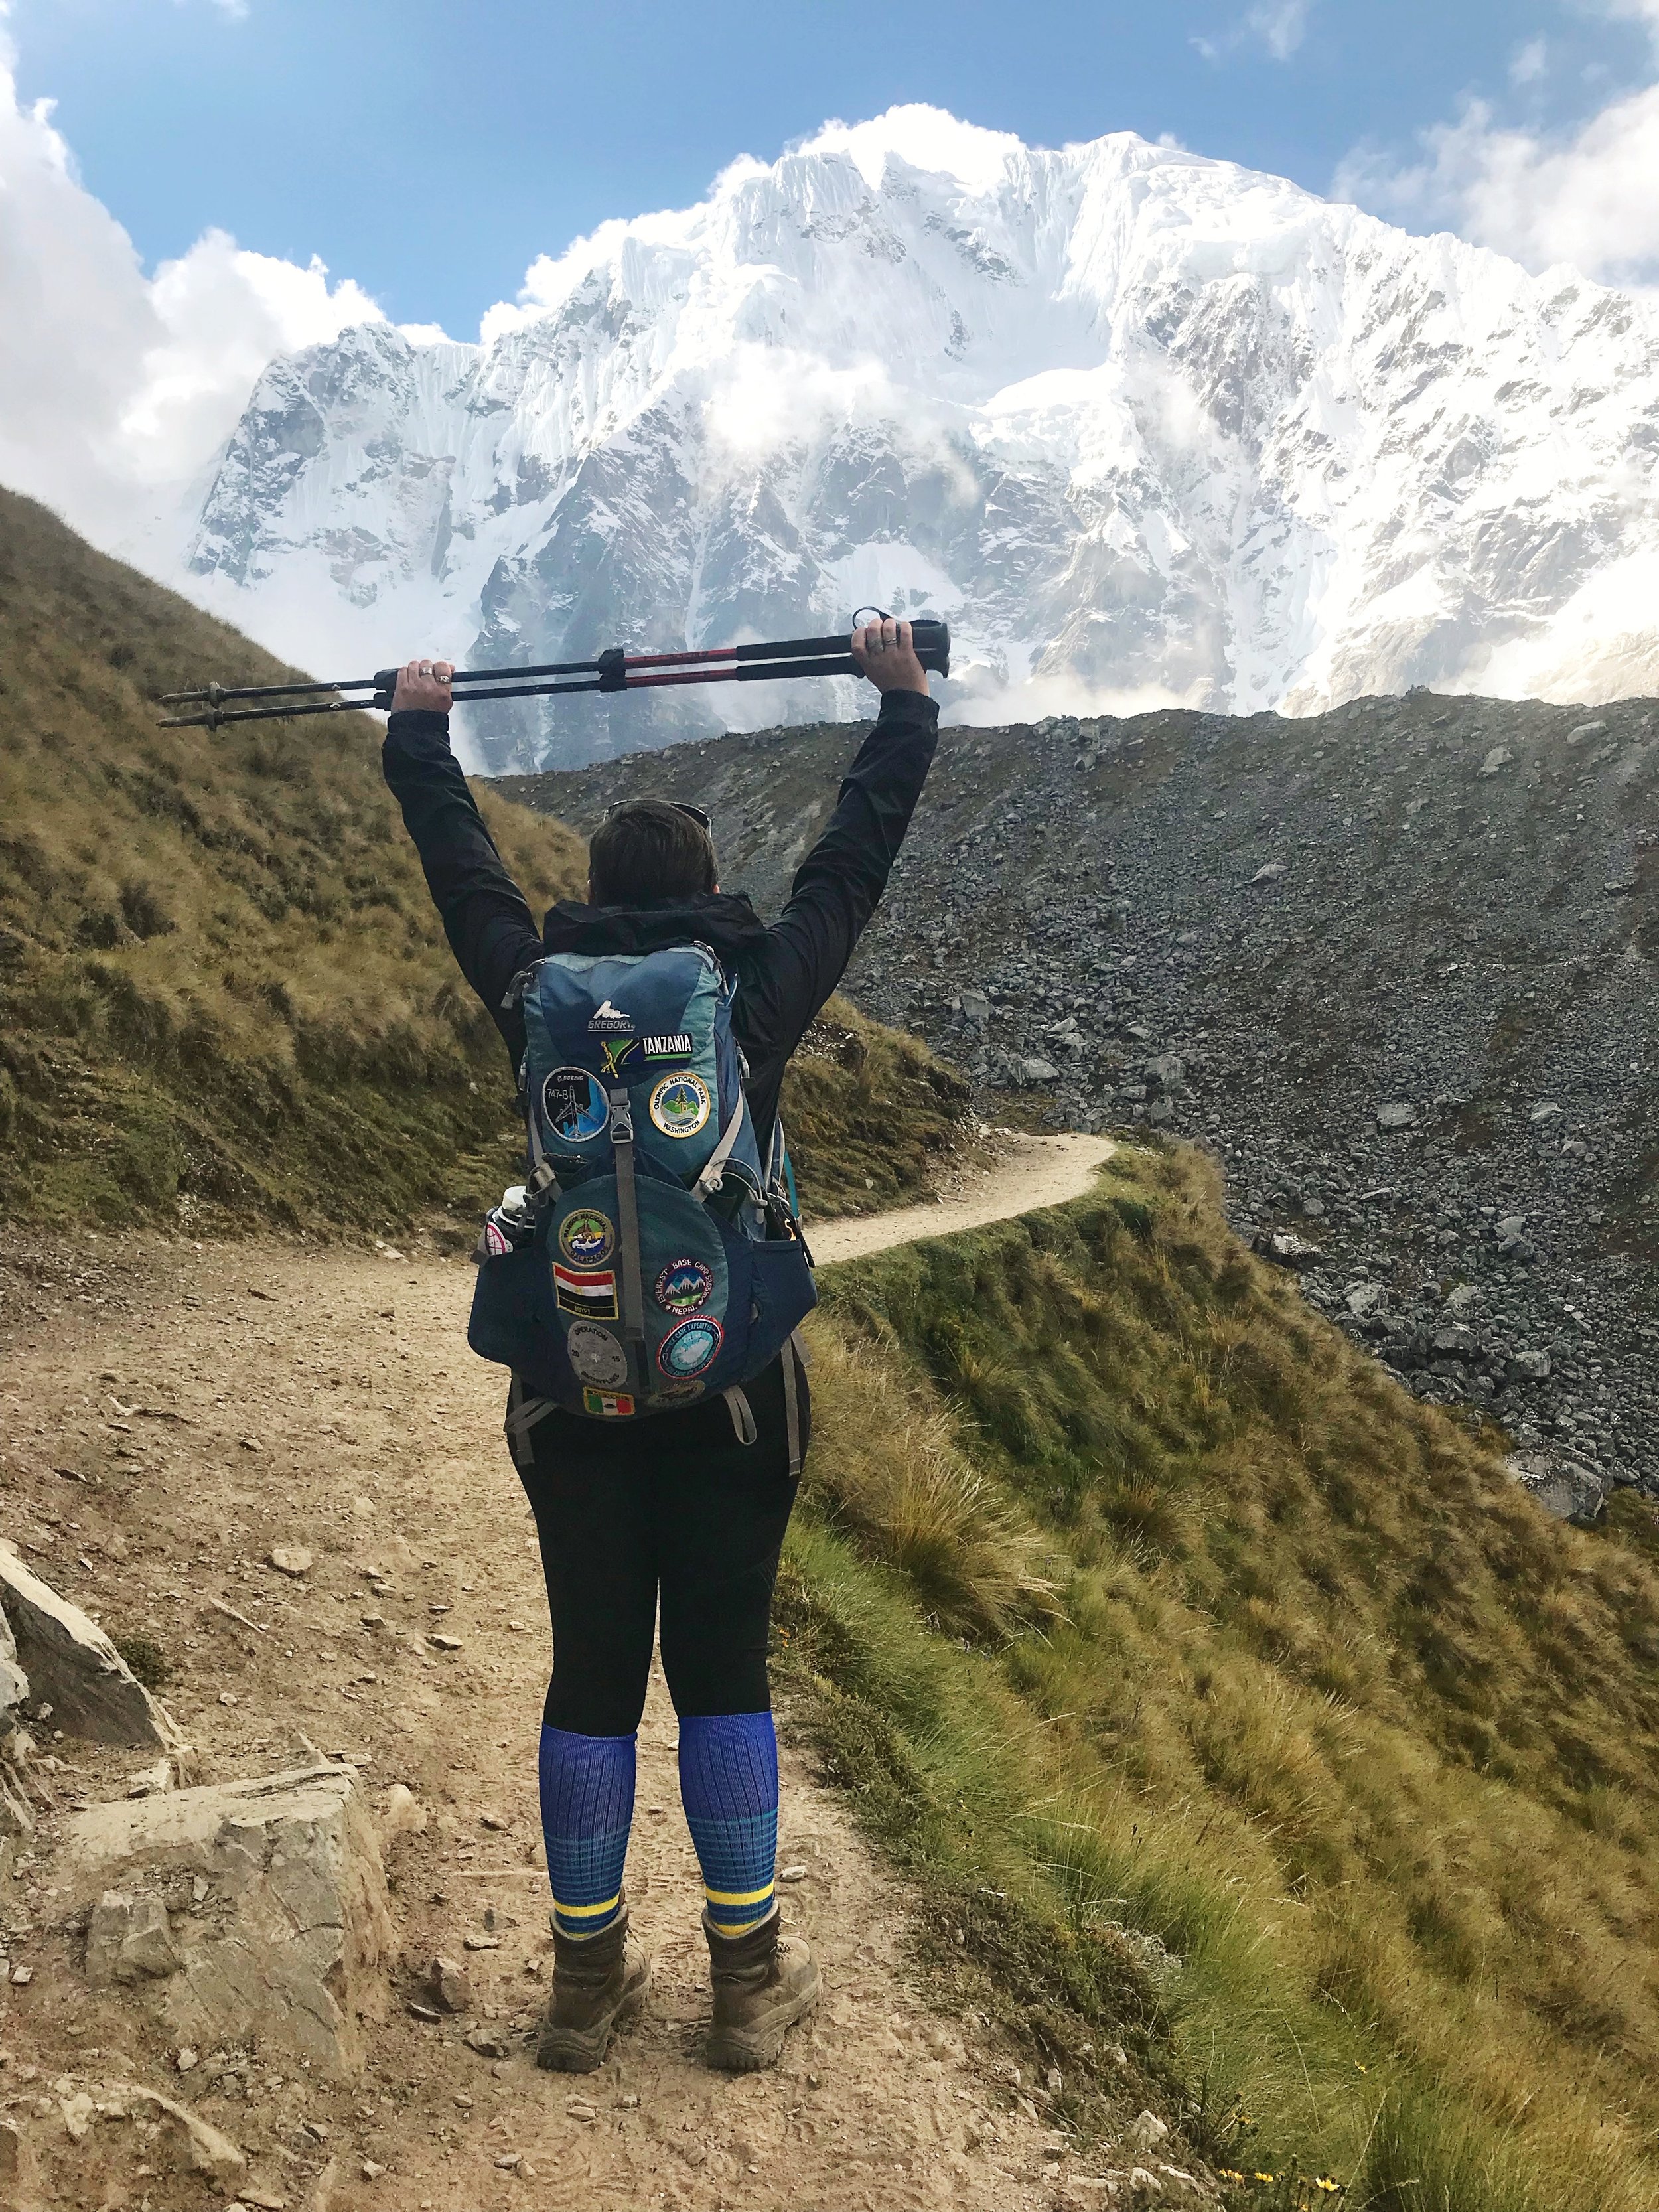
[(763, 1982), (597, 1981)]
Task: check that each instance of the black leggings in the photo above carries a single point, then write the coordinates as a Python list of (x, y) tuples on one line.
[(672, 1505)]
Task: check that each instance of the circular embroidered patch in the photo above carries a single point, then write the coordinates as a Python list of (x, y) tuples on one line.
[(689, 1348), (684, 1285), (574, 1105), (677, 1394), (680, 1104), (586, 1236), (595, 1355)]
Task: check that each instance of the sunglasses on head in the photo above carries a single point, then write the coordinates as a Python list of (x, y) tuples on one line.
[(680, 806)]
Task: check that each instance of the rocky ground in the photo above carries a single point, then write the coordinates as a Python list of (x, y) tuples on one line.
[(276, 1476), (1392, 964)]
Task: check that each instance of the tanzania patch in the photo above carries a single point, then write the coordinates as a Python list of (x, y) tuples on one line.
[(613, 1403), (586, 1236), (674, 1047), (684, 1285), (595, 1354), (691, 1348), (610, 1021), (574, 1105), (681, 1104), (594, 1294)]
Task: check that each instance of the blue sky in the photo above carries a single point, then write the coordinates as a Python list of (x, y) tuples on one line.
[(428, 149)]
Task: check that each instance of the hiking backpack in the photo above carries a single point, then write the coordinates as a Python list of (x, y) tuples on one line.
[(653, 1259)]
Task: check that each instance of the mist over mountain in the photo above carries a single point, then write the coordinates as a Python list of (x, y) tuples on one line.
[(1148, 429)]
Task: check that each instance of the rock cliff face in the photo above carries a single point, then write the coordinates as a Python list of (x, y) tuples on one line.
[(1144, 427), (1393, 965)]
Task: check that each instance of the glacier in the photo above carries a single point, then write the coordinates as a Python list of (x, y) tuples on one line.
[(1147, 428)]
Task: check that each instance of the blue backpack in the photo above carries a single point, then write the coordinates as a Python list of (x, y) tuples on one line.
[(651, 1259)]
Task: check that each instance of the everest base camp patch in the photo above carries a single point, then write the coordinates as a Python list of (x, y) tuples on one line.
[(608, 1404), (684, 1285)]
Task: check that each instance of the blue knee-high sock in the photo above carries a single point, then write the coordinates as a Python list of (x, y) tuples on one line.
[(587, 1809), (729, 1787)]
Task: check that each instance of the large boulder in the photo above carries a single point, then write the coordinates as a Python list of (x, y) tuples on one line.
[(244, 1912), (14, 1682), (73, 1667)]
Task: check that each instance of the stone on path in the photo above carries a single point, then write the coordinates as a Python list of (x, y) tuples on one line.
[(74, 1668), (1398, 1113), (281, 1950), (291, 1560)]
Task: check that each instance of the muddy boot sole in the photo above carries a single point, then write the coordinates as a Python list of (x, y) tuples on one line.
[(756, 2043), (581, 2050)]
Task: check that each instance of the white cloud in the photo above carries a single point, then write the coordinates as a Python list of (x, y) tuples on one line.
[(1582, 195), (1585, 197), (114, 387), (1530, 62), (1280, 26)]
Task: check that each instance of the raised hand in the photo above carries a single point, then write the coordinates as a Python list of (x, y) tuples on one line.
[(885, 651), (423, 688)]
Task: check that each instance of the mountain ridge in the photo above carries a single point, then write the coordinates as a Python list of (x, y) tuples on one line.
[(1149, 429)]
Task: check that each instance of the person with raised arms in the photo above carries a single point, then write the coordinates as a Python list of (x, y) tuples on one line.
[(643, 1287)]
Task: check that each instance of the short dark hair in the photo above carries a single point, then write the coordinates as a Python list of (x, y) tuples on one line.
[(648, 852)]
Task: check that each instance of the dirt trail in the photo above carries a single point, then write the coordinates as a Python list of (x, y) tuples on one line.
[(1025, 1172), (168, 1414)]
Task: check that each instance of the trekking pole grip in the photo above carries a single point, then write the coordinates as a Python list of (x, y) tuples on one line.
[(931, 640)]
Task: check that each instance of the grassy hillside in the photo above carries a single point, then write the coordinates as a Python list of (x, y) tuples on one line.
[(225, 1000), (1153, 1624)]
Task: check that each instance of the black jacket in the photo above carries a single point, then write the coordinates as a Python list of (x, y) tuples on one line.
[(785, 973)]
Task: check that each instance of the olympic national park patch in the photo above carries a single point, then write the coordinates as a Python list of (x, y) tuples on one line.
[(613, 1405), (689, 1348), (684, 1286), (681, 1104), (574, 1105), (586, 1236), (596, 1356)]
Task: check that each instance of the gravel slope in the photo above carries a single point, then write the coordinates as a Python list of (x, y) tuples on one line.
[(1394, 963)]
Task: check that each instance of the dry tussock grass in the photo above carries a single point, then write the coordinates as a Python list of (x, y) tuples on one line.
[(901, 1488), (1332, 1709)]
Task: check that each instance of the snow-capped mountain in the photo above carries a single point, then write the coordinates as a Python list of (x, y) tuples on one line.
[(1144, 427)]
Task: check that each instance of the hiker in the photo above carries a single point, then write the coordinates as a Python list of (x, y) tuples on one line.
[(650, 1486)]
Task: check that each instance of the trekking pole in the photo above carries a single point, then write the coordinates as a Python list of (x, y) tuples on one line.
[(615, 669)]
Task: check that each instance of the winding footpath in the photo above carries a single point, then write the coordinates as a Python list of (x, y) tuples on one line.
[(221, 1402)]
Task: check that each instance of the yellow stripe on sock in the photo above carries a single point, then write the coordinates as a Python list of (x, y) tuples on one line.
[(588, 1912), (735, 1926), (739, 1896)]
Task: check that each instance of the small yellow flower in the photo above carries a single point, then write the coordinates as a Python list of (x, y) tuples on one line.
[(1266, 2177), (1331, 2188)]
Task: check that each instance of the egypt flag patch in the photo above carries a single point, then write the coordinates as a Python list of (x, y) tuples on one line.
[(586, 1290), (611, 1402)]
